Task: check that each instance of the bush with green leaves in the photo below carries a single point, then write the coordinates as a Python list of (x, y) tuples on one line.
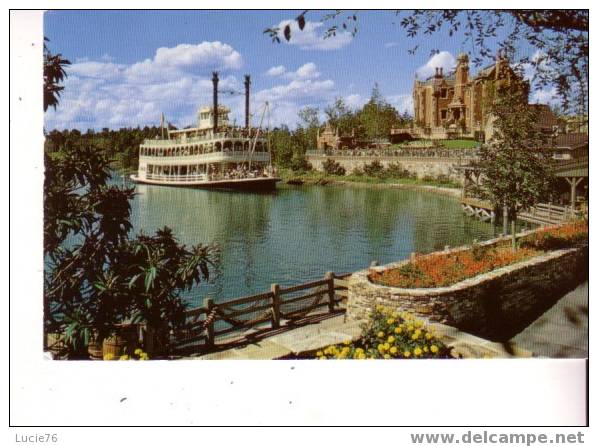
[(97, 275), (374, 169), (332, 167)]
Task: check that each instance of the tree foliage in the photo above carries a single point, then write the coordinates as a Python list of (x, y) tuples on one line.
[(97, 275), (516, 172), (54, 74), (560, 38)]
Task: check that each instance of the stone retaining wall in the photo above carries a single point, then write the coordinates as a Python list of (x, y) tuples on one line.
[(422, 167), (495, 305)]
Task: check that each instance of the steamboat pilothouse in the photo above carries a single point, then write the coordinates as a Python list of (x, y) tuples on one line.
[(214, 154)]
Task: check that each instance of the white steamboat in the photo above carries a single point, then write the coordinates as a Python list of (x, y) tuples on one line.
[(215, 154)]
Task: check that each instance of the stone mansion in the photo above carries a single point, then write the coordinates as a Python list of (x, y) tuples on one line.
[(455, 105)]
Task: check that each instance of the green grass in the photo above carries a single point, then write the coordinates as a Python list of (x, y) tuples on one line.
[(459, 143)]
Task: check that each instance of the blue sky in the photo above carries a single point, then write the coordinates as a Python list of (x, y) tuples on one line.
[(129, 66)]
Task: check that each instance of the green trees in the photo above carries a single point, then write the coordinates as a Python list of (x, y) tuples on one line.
[(516, 173), (97, 276), (377, 116)]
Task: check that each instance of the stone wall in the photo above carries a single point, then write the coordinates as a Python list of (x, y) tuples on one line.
[(495, 305), (422, 167)]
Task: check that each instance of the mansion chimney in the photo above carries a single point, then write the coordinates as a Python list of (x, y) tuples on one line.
[(247, 84), (215, 111)]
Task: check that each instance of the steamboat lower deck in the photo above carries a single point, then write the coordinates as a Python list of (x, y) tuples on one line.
[(248, 184)]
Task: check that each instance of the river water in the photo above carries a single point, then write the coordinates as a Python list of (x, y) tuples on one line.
[(298, 233)]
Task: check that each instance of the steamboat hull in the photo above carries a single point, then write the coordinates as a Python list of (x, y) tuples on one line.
[(242, 184)]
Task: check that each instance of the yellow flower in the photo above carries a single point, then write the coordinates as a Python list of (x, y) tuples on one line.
[(323, 357), (138, 351), (108, 357), (347, 342), (406, 353), (395, 314), (417, 351), (359, 350), (390, 321), (143, 357), (391, 339), (426, 348), (379, 308), (319, 353), (380, 334), (433, 349), (386, 346), (124, 358), (386, 356), (398, 330), (381, 348), (410, 327), (428, 336), (414, 336), (393, 350)]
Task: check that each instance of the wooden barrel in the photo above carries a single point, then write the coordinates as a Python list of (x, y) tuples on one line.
[(95, 351), (122, 343)]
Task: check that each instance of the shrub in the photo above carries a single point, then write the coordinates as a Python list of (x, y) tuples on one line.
[(332, 167), (373, 169), (395, 170), (390, 334)]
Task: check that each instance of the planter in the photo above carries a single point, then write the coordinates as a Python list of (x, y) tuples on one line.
[(95, 351), (495, 305), (123, 343)]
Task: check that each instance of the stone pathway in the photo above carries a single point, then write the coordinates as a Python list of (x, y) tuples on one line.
[(307, 338), (561, 332)]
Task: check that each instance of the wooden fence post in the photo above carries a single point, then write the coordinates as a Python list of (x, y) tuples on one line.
[(209, 304), (275, 289), (330, 278)]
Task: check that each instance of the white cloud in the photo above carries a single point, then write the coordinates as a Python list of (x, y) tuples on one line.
[(276, 71), (104, 94), (312, 36), (354, 101), (305, 71), (545, 96), (215, 55), (402, 102), (443, 59)]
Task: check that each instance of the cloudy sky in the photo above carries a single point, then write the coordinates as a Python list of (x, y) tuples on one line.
[(129, 66)]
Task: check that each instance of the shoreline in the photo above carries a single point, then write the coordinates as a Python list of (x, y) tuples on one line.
[(328, 181)]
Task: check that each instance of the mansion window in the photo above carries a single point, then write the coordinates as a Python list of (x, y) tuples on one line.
[(443, 93), (443, 114)]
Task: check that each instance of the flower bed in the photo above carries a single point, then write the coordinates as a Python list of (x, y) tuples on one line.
[(440, 270), (390, 335)]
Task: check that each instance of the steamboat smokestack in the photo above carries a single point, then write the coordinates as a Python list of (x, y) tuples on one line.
[(215, 82), (247, 84)]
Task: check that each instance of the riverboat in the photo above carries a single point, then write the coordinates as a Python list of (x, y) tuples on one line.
[(214, 154)]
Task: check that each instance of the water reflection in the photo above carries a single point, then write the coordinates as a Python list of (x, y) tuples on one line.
[(298, 234)]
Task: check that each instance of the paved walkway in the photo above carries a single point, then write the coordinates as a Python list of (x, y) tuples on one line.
[(319, 334), (561, 332)]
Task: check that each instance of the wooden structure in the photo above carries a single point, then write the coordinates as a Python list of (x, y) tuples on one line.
[(216, 325), (574, 172)]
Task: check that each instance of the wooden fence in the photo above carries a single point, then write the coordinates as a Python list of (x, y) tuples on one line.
[(262, 312)]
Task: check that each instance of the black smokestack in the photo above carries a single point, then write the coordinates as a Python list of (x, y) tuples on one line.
[(247, 84), (215, 82)]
